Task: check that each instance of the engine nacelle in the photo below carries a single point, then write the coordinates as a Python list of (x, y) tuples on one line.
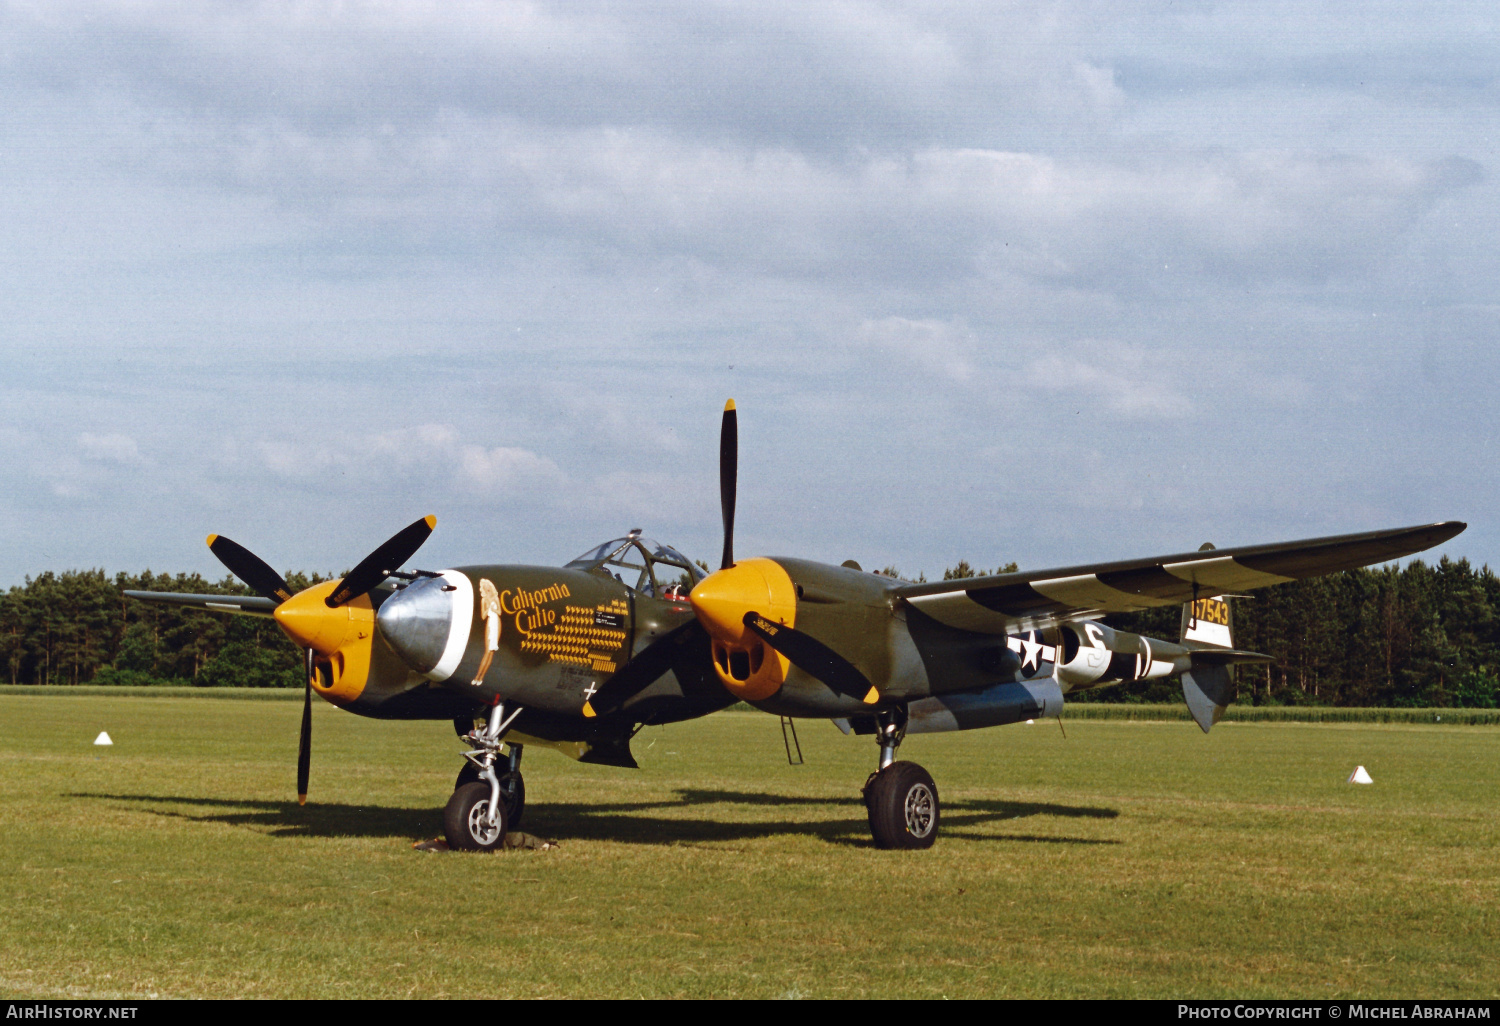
[(1092, 653), (992, 707)]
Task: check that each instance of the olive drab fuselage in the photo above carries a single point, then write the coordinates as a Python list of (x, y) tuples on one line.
[(562, 632)]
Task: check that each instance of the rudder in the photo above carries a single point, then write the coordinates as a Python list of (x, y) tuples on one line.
[(1208, 623)]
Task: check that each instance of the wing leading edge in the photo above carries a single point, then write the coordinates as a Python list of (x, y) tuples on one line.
[(243, 604), (1006, 603)]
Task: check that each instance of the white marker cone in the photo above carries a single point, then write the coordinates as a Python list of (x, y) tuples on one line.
[(1359, 776), (103, 738)]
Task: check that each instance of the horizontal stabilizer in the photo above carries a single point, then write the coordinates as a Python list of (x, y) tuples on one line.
[(1228, 657)]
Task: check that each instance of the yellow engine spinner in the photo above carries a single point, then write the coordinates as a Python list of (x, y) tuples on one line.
[(341, 636), (746, 665)]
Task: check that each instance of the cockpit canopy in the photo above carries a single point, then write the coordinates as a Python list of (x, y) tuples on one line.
[(648, 566)]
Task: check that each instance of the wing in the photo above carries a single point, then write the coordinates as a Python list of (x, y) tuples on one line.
[(244, 604), (1015, 602)]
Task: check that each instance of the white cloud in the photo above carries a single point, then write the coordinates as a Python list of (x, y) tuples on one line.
[(581, 222), (1123, 380), (111, 448), (939, 347), (1100, 83), (502, 467), (433, 455)]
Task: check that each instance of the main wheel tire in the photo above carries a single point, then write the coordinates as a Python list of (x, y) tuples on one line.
[(464, 820), (513, 794), (903, 804), (512, 791)]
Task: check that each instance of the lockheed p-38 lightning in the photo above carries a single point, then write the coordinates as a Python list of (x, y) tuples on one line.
[(578, 658)]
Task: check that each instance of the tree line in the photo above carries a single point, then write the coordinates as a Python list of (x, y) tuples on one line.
[(77, 628), (1419, 635)]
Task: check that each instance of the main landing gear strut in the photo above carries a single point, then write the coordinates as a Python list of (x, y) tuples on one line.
[(900, 797), (490, 794)]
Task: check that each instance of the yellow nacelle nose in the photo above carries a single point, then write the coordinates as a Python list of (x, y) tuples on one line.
[(722, 599), (341, 637), (746, 665)]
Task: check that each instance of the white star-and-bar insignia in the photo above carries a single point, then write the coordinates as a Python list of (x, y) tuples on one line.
[(1031, 660)]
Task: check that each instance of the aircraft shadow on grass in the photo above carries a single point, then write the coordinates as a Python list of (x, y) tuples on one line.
[(608, 821)]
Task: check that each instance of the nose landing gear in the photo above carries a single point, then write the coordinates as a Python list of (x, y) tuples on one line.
[(900, 797), (512, 784), (490, 794)]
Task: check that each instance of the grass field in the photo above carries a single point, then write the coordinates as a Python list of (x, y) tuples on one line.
[(1127, 859)]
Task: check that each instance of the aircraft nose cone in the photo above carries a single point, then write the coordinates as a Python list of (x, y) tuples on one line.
[(309, 621), (722, 599), (427, 623)]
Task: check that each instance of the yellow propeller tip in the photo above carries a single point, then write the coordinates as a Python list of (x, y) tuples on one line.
[(729, 406), (431, 521), (871, 698), (302, 799), (588, 711), (211, 539)]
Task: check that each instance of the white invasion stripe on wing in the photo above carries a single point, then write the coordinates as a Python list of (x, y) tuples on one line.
[(1087, 591), (1223, 573)]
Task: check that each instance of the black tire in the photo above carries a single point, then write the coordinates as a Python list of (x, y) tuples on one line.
[(463, 820), (512, 791), (513, 794), (903, 804)]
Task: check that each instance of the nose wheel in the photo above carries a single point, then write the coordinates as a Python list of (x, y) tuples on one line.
[(900, 797), (512, 786), (469, 824)]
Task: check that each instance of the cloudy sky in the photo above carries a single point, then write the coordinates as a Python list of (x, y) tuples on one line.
[(1044, 282)]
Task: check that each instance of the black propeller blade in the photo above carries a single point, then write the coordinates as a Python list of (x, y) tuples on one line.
[(373, 569), (379, 565), (304, 744), (813, 657), (250, 568), (643, 670), (729, 461)]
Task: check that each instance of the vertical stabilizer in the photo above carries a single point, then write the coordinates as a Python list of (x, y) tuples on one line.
[(1208, 623), (1207, 688)]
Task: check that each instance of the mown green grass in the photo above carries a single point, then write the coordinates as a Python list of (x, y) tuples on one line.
[(1075, 710), (1127, 859)]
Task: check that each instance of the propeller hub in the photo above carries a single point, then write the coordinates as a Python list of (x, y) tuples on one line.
[(722, 599), (309, 621), (748, 667), (340, 636)]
